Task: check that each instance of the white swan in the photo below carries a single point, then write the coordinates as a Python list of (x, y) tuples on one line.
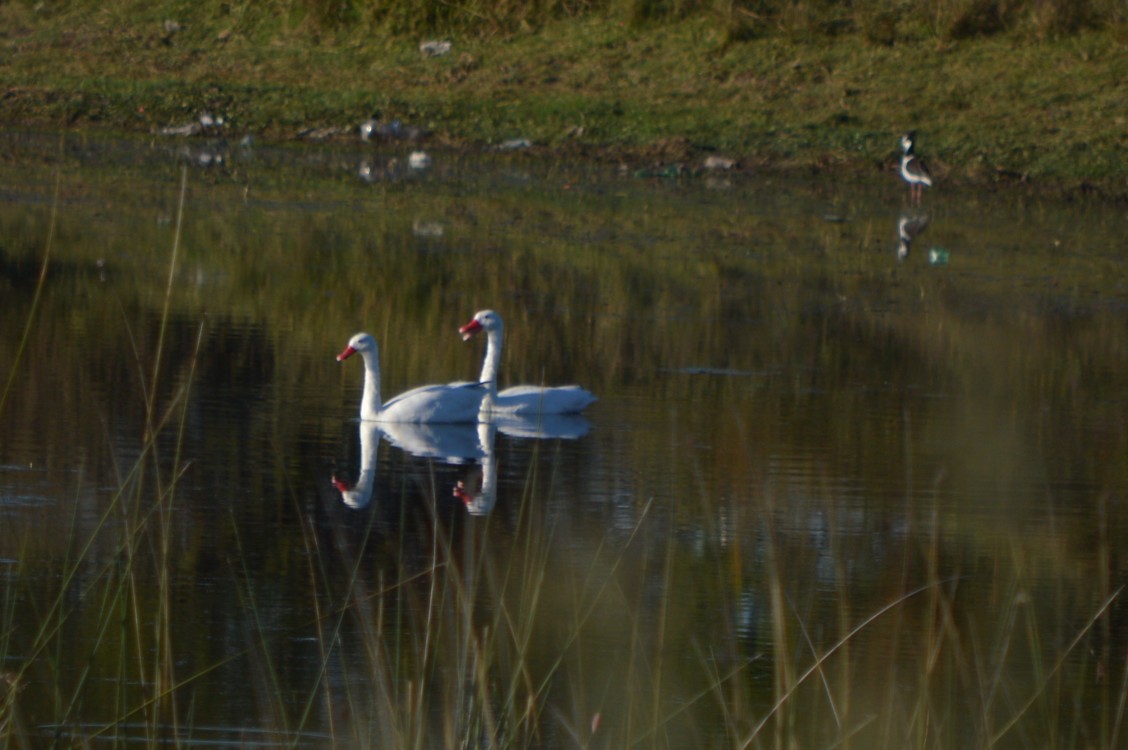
[(520, 399), (450, 404)]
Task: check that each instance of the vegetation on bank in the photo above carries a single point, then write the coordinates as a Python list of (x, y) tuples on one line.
[(1027, 90)]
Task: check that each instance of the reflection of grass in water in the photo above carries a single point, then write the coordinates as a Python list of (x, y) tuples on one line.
[(481, 654), (494, 648), (133, 535), (928, 667), (492, 639), (12, 682)]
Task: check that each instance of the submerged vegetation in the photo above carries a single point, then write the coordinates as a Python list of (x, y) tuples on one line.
[(1023, 90)]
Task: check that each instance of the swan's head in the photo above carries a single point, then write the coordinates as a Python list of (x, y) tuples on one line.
[(907, 141), (360, 343), (486, 320)]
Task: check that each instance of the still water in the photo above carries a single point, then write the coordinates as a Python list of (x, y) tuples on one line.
[(839, 489)]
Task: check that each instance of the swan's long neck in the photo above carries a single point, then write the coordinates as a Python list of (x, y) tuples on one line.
[(492, 362), (370, 404)]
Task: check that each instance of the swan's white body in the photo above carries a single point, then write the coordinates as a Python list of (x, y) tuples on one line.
[(446, 404), (520, 400)]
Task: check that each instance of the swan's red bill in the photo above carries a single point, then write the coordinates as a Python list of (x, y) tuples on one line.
[(470, 329), (341, 486), (348, 352)]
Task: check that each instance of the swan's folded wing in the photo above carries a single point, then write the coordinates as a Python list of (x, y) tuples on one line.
[(439, 404), (533, 399)]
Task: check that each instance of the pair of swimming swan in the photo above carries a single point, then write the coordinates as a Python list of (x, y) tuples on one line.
[(461, 402)]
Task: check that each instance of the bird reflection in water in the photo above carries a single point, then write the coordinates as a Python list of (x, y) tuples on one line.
[(909, 227), (478, 490), (359, 495), (449, 443), (455, 444)]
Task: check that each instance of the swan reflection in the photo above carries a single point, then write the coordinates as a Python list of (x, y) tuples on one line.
[(450, 443), (359, 495), (478, 490), (543, 426), (455, 444)]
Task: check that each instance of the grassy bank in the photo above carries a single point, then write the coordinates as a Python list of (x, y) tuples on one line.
[(1013, 92)]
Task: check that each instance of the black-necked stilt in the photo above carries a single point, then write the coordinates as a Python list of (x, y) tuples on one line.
[(375, 129), (913, 170)]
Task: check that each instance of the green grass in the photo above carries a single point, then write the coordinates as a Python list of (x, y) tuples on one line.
[(1015, 91)]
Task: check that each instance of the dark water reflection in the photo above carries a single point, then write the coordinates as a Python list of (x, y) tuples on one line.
[(799, 425)]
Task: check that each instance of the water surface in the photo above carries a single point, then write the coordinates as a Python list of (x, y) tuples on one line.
[(810, 442)]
